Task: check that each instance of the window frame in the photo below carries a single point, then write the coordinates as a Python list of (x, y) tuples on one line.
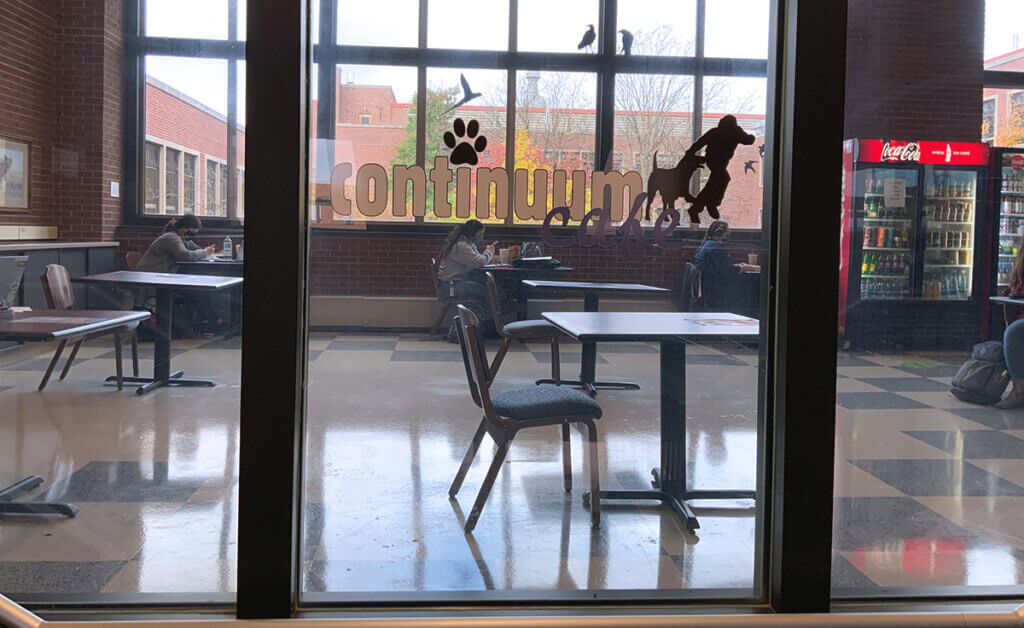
[(161, 172), (1012, 82)]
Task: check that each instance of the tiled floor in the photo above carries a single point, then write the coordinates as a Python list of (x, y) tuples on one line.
[(930, 491)]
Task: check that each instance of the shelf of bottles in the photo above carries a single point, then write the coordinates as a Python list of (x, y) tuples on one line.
[(948, 212), (887, 251), (1011, 219)]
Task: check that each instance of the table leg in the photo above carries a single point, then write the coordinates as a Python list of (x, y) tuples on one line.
[(162, 375), (10, 507), (588, 360), (669, 486)]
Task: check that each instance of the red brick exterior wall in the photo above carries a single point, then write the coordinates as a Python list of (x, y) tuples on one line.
[(28, 99), (914, 69)]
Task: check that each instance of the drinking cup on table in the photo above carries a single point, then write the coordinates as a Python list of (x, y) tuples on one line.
[(752, 259), (505, 255)]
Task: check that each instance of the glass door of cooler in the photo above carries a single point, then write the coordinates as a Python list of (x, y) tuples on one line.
[(947, 227), (1011, 215), (888, 231)]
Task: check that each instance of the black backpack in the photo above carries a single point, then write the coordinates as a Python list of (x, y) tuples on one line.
[(983, 378)]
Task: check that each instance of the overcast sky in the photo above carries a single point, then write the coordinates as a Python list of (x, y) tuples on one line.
[(734, 28)]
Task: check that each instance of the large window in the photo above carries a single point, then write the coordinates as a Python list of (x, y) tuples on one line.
[(394, 101), (192, 104)]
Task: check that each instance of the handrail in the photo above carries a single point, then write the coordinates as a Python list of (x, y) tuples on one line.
[(15, 616), (939, 619)]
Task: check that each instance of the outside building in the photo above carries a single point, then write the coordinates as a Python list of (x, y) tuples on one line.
[(1002, 121)]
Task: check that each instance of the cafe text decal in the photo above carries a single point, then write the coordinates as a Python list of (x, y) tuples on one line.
[(567, 193)]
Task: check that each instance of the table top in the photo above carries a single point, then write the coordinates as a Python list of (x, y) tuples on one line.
[(213, 261), (651, 326), (592, 286), (1008, 301), (162, 280), (52, 324), (525, 269)]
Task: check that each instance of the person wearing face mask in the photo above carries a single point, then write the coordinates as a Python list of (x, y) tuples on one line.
[(174, 245), (460, 256), (716, 266)]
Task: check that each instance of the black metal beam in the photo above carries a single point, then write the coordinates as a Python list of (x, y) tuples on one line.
[(274, 343), (204, 48), (996, 78), (132, 99), (809, 95)]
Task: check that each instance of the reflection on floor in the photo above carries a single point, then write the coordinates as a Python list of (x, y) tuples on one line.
[(930, 491)]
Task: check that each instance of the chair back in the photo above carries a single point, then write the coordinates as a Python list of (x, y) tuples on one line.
[(474, 357), (433, 269), (132, 259), (495, 299), (690, 297), (57, 288)]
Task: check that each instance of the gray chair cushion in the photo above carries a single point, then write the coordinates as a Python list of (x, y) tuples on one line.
[(544, 401), (536, 328)]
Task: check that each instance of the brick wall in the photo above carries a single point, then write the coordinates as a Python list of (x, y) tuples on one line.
[(914, 69), (28, 99), (60, 89)]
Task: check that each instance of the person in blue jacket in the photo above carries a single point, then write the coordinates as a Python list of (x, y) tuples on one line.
[(716, 266)]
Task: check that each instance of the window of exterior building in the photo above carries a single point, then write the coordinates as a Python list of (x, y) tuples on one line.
[(988, 119), (152, 177), (365, 119)]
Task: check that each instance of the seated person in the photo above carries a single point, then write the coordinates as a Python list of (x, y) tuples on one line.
[(716, 267), (1013, 338), (459, 258), (172, 247)]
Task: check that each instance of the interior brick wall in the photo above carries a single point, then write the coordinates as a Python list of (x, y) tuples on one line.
[(914, 69), (28, 99)]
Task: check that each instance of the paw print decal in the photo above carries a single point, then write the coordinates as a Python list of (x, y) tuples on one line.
[(464, 152)]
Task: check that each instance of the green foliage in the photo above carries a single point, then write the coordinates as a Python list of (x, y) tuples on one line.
[(436, 123)]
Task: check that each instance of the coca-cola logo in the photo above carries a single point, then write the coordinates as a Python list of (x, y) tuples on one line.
[(910, 151)]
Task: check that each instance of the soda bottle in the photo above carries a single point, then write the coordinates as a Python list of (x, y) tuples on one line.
[(867, 237)]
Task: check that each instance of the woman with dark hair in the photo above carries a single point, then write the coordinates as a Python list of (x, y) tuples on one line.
[(1013, 338), (174, 245), (717, 270), (459, 257)]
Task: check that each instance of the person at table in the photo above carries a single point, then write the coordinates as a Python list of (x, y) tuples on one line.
[(460, 256), (174, 245), (1013, 338), (716, 267)]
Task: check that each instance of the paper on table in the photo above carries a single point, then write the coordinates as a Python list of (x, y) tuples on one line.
[(721, 321)]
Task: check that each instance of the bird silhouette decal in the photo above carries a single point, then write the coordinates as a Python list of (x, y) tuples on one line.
[(467, 94), (748, 166), (627, 42), (588, 38)]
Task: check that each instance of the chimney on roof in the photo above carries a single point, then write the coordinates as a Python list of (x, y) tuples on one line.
[(1016, 41), (531, 91)]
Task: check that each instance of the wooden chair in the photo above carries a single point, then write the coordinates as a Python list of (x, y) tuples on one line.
[(59, 296), (508, 412), (521, 330), (446, 300), (690, 297)]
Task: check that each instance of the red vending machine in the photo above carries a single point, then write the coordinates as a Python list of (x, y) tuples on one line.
[(912, 212)]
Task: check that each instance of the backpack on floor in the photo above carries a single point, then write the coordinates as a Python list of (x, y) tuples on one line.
[(983, 378)]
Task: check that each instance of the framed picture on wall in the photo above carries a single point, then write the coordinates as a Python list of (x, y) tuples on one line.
[(14, 171)]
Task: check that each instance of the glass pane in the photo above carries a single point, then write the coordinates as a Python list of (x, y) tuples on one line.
[(555, 130), (1002, 117), (214, 205), (189, 183), (194, 19), (360, 23), (659, 27), (480, 26), (172, 159), (543, 25), (735, 28), (746, 98), (467, 148), (151, 185), (1003, 34), (654, 113), (924, 481)]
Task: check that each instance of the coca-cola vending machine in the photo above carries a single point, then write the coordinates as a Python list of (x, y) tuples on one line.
[(1008, 205), (911, 215)]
